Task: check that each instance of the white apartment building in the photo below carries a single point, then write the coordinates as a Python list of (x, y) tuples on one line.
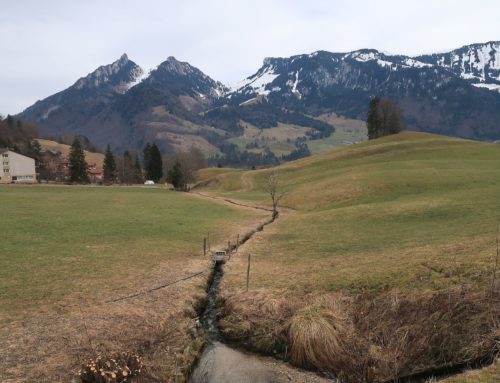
[(16, 168)]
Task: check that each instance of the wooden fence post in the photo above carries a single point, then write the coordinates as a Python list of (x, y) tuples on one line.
[(238, 242), (248, 270), (204, 246)]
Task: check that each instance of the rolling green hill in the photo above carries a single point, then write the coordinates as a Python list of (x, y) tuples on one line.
[(401, 229)]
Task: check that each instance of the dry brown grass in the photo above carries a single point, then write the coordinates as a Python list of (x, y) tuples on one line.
[(368, 338), (51, 346), (320, 335)]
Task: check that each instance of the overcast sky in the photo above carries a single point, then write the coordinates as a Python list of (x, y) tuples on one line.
[(47, 45)]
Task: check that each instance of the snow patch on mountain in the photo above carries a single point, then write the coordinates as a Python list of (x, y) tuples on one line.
[(385, 61), (49, 111), (256, 83), (493, 87), (248, 101), (295, 83), (140, 77), (477, 63), (412, 63), (362, 56)]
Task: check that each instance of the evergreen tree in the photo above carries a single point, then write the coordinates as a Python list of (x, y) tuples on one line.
[(155, 171), (146, 155), (109, 167), (175, 176), (373, 120), (35, 151), (77, 164)]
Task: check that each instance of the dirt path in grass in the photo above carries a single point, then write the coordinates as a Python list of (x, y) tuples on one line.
[(222, 364)]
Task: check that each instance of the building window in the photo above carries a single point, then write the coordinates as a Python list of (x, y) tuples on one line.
[(6, 163), (5, 155), (6, 170)]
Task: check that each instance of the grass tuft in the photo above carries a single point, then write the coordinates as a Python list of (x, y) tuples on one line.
[(317, 336)]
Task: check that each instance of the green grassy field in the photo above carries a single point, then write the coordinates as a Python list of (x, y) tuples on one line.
[(58, 239), (66, 250), (414, 210), (399, 219)]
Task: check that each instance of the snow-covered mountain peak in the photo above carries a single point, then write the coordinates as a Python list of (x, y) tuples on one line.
[(385, 60), (363, 55), (121, 73), (181, 78)]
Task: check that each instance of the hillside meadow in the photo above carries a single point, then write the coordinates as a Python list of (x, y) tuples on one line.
[(382, 258), (90, 157), (68, 250)]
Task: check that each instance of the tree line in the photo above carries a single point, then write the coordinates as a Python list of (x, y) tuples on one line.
[(178, 169), (17, 135)]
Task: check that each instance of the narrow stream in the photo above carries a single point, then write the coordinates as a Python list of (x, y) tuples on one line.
[(222, 364), (209, 316)]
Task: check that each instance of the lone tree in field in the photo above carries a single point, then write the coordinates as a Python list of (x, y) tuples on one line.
[(275, 191), (176, 177), (77, 164), (109, 167), (153, 165), (384, 118)]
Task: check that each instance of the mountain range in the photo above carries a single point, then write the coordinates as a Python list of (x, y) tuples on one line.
[(177, 106)]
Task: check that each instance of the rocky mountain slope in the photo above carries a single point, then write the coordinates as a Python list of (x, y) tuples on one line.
[(478, 63), (434, 97), (176, 105)]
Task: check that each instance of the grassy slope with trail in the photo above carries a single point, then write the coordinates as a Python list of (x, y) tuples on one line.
[(66, 250), (402, 221)]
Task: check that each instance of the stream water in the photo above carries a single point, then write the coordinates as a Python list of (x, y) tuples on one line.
[(209, 316), (222, 364)]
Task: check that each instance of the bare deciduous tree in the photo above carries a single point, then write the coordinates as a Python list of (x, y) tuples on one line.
[(275, 191), (384, 118), (183, 167)]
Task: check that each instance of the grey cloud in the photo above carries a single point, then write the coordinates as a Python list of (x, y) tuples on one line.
[(46, 46)]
